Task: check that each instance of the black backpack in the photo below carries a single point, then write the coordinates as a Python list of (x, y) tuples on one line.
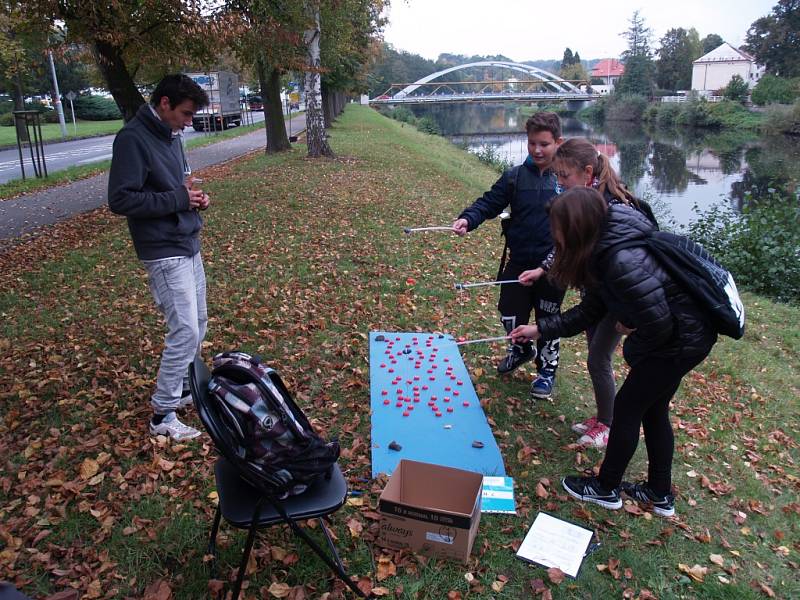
[(272, 436), (699, 274)]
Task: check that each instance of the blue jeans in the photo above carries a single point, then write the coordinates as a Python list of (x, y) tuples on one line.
[(178, 286)]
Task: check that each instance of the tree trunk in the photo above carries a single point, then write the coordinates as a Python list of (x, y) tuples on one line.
[(119, 81), (270, 81), (327, 113), (19, 104), (315, 121)]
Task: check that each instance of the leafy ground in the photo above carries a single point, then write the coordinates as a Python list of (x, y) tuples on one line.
[(303, 259)]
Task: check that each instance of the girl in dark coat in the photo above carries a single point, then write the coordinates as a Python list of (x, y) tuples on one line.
[(669, 336)]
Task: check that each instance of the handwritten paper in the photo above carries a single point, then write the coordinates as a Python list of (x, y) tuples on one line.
[(551, 542)]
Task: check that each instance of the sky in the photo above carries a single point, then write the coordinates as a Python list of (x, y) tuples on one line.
[(537, 30)]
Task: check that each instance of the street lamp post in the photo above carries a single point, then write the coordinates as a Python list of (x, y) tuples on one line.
[(57, 99)]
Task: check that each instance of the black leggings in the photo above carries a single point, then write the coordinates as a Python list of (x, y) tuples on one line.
[(644, 400)]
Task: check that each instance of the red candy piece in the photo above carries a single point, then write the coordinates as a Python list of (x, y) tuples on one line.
[(398, 404), (424, 387), (391, 370), (447, 388), (447, 398), (455, 392), (438, 414), (450, 409), (406, 413), (465, 403), (399, 391), (459, 382), (386, 402)]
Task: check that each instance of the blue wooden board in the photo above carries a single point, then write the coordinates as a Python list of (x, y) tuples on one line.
[(408, 372)]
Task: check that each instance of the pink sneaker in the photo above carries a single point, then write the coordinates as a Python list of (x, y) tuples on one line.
[(584, 426), (596, 437)]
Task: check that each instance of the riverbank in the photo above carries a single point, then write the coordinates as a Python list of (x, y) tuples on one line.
[(303, 259), (693, 113)]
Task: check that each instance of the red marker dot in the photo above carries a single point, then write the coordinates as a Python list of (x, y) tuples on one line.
[(406, 413), (424, 387), (459, 382), (433, 398), (386, 402), (447, 388), (432, 378), (465, 403), (416, 377), (446, 360), (447, 398), (455, 392), (449, 409), (416, 398), (384, 392), (399, 391), (383, 365), (399, 404), (391, 370), (438, 414)]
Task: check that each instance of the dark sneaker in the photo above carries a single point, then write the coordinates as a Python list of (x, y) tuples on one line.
[(663, 506), (516, 357), (542, 386), (588, 489)]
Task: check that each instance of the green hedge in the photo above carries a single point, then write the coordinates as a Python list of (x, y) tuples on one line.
[(771, 90), (96, 108), (761, 246)]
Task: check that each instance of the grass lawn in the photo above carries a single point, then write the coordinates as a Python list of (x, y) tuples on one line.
[(303, 259), (52, 131)]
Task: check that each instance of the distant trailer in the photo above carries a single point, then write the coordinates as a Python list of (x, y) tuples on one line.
[(224, 109)]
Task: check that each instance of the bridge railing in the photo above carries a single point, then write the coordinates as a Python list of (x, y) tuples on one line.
[(514, 86)]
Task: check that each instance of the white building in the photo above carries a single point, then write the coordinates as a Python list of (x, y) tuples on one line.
[(714, 71)]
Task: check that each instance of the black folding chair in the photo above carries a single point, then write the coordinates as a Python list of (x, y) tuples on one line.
[(247, 505)]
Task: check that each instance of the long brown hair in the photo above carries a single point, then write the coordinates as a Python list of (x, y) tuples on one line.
[(576, 222), (579, 153)]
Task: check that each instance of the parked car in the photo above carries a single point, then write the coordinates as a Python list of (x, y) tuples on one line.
[(255, 103)]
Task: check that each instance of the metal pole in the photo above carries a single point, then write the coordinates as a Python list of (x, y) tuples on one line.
[(57, 99), (74, 122), (19, 147)]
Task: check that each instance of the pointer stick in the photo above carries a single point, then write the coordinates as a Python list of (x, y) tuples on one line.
[(410, 230), (463, 286), (491, 339)]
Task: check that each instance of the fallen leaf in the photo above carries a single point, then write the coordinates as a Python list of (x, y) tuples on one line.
[(386, 568), (89, 468), (717, 559), (696, 573), (555, 575), (279, 590), (158, 590)]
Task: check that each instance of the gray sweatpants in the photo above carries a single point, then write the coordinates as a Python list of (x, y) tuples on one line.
[(178, 286), (602, 340)]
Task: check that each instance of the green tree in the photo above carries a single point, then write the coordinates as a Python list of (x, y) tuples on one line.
[(282, 24), (736, 90), (575, 72), (774, 40), (673, 69), (711, 42), (771, 89), (638, 76), (637, 36), (133, 40), (567, 60)]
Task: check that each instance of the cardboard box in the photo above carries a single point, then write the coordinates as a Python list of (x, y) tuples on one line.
[(431, 509)]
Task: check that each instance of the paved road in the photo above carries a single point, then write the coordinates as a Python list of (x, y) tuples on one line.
[(60, 155), (25, 214)]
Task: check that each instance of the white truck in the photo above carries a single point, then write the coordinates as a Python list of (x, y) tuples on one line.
[(224, 109)]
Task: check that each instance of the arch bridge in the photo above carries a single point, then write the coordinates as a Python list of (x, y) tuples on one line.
[(537, 85)]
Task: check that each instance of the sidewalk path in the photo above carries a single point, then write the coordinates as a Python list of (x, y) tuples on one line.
[(23, 215)]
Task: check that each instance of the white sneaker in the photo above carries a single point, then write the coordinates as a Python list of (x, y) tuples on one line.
[(173, 428)]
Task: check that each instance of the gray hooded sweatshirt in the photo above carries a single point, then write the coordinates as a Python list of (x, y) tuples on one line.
[(146, 185)]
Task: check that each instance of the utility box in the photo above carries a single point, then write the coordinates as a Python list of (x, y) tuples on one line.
[(431, 509), (225, 106)]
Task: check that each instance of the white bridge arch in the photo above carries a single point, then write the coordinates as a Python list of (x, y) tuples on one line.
[(558, 83)]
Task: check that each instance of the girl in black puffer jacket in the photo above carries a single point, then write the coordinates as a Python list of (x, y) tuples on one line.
[(669, 335)]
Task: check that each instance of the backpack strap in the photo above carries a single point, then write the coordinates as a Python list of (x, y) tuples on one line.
[(506, 223)]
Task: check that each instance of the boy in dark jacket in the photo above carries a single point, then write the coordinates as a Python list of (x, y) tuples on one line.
[(149, 184), (527, 189)]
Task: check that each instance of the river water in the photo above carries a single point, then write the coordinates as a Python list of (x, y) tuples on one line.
[(680, 170)]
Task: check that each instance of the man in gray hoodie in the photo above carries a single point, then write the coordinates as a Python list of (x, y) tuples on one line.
[(149, 184)]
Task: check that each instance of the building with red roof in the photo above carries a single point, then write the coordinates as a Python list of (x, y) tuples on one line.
[(609, 70)]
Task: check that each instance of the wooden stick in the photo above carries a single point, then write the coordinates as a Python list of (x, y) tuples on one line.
[(463, 286), (480, 341)]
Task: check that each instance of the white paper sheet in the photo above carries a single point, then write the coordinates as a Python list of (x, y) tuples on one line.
[(551, 542)]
